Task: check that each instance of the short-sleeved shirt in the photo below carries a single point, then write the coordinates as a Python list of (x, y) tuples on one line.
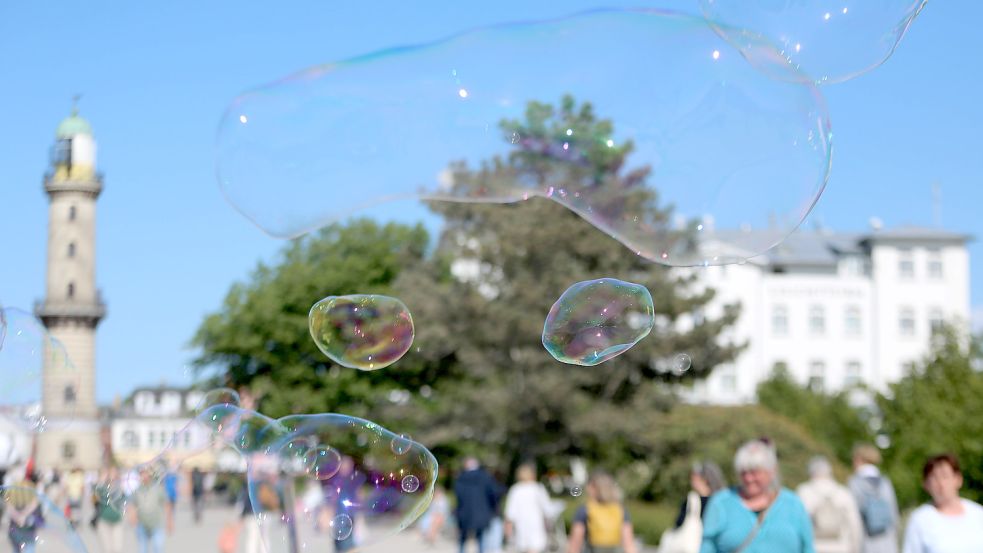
[(583, 516), (150, 501), (107, 506), (930, 531)]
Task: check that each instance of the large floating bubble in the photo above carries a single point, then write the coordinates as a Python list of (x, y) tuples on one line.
[(365, 491), (830, 41), (362, 331), (726, 145), (596, 320), (34, 523), (31, 359)]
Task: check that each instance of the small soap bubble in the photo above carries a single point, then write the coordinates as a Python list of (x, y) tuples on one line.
[(410, 483), (401, 444), (362, 331), (576, 491), (681, 363), (322, 462), (596, 320), (340, 527)]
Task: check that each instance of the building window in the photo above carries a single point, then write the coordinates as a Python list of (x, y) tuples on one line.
[(130, 439), (935, 320), (68, 451), (779, 367), (71, 250), (817, 319), (817, 376), (187, 439), (70, 396), (906, 321), (851, 321), (934, 263), (163, 438), (150, 438), (71, 289), (779, 320), (853, 374), (728, 380), (906, 263), (71, 213)]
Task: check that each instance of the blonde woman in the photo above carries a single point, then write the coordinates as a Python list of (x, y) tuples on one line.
[(526, 507), (603, 523)]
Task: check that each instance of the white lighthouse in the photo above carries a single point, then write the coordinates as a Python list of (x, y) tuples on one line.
[(72, 307)]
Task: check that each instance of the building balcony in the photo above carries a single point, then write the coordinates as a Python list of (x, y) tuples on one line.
[(90, 185), (87, 312)]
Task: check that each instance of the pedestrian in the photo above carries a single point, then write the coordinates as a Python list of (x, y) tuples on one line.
[(949, 524), (152, 513), (197, 493), (108, 501), (170, 486), (342, 491), (705, 479), (23, 508), (836, 524), (432, 522), (477, 495), (527, 507), (759, 515), (875, 498), (602, 524), (267, 499), (75, 493)]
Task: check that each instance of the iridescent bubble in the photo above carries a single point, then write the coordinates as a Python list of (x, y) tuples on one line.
[(44, 528), (401, 444), (576, 491), (340, 527), (367, 485), (410, 484), (362, 331), (681, 363), (32, 360), (726, 145), (831, 41), (596, 320), (218, 396)]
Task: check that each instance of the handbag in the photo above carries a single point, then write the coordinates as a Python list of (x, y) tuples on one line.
[(689, 536), (754, 531)]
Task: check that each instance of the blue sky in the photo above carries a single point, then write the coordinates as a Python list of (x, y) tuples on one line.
[(156, 79)]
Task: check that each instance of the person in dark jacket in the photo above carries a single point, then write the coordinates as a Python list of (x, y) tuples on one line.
[(477, 495)]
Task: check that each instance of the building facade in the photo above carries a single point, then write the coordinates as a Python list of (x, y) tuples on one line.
[(837, 309), (72, 307)]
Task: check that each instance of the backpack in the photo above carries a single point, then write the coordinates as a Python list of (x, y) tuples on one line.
[(604, 522), (827, 520), (874, 509)]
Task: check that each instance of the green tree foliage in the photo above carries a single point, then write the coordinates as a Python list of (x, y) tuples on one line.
[(260, 336), (831, 418), (936, 409)]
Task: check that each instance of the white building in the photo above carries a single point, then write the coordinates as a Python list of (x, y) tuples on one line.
[(837, 308)]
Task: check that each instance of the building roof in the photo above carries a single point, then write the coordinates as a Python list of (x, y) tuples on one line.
[(73, 125), (914, 232)]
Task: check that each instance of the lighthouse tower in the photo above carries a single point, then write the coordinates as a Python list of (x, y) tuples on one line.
[(72, 307)]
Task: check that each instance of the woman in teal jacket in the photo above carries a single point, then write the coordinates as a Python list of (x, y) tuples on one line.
[(758, 516)]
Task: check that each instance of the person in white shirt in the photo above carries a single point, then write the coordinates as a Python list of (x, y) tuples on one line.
[(527, 508), (949, 524), (836, 524)]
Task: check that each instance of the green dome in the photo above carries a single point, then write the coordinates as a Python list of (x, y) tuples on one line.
[(73, 125)]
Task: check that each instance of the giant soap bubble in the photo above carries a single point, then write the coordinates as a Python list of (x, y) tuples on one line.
[(831, 41), (362, 331), (725, 145), (32, 360)]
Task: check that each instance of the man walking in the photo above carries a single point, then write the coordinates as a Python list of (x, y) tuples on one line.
[(478, 495), (876, 500), (152, 512), (836, 523)]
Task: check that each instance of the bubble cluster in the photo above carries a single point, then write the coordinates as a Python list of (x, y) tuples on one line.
[(701, 129), (830, 41), (362, 331), (596, 320), (30, 360), (35, 523)]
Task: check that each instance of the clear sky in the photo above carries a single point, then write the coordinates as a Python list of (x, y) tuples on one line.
[(156, 78)]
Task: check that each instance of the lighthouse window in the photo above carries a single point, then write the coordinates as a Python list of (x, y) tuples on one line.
[(68, 451), (70, 394), (71, 289), (71, 250), (71, 213)]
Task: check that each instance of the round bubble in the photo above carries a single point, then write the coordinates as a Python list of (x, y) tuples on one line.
[(401, 444), (741, 157), (410, 483), (362, 331), (829, 41), (681, 363), (340, 527), (42, 527), (368, 485), (596, 320), (31, 360), (576, 491)]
